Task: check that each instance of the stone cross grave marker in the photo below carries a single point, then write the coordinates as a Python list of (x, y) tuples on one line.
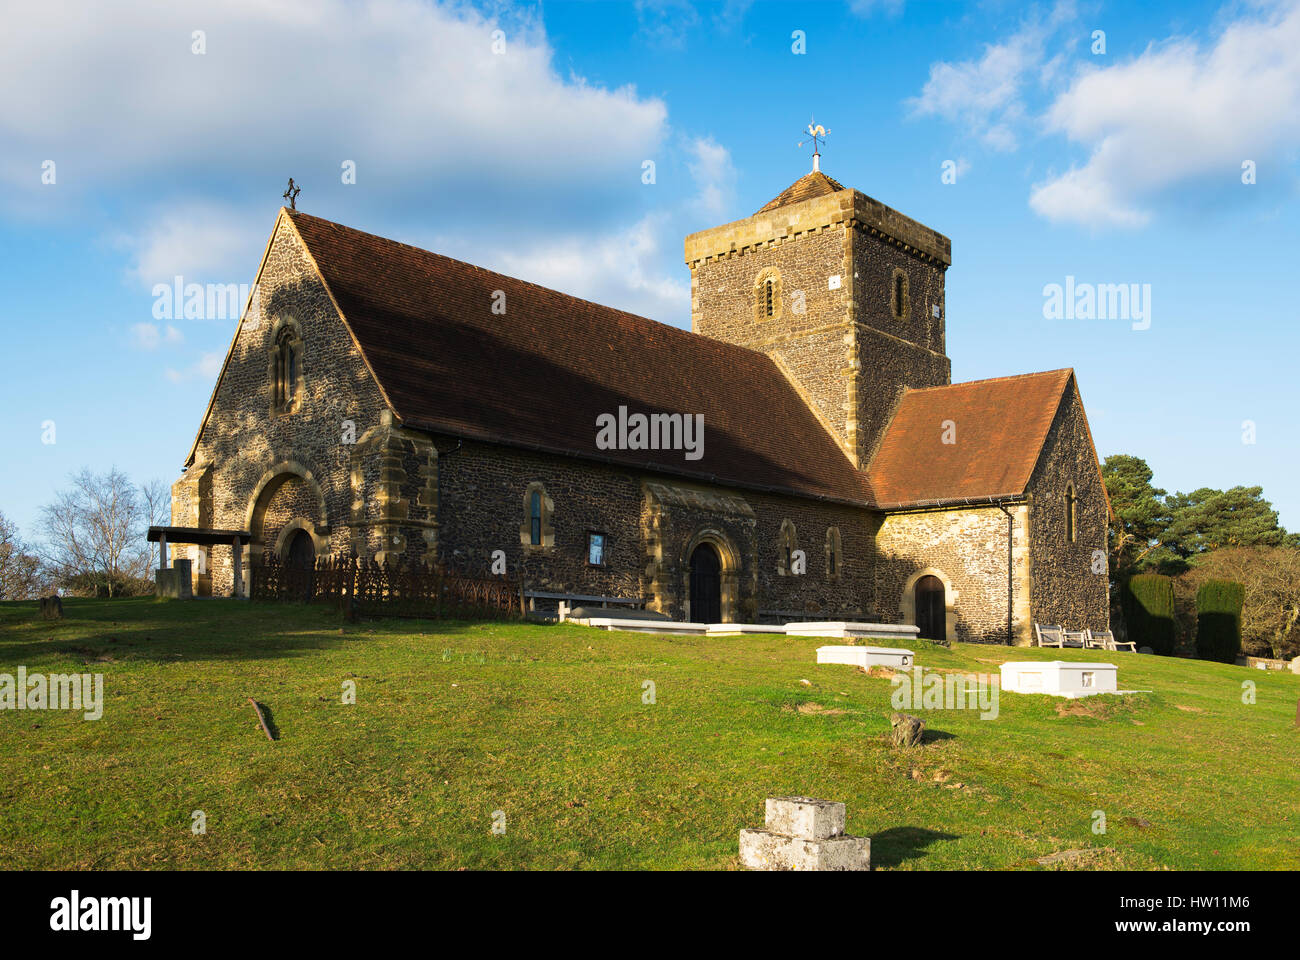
[(804, 834)]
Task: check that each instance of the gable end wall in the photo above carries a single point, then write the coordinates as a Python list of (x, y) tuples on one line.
[(1065, 589)]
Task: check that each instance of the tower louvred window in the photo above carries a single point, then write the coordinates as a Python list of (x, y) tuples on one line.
[(767, 294), (900, 295)]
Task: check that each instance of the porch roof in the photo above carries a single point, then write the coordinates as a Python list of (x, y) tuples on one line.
[(199, 535)]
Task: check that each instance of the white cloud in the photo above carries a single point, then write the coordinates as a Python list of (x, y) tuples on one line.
[(498, 148), (209, 365), (1083, 196), (410, 91), (205, 368), (732, 14), (197, 240), (985, 95), (1180, 111), (148, 336), (666, 23), (504, 159), (715, 177), (622, 269), (638, 268)]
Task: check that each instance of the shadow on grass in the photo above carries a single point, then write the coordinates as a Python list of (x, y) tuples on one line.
[(167, 631), (935, 736), (892, 847)]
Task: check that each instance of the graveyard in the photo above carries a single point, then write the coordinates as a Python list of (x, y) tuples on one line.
[(394, 744)]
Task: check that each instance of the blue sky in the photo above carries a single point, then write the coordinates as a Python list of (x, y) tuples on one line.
[(173, 127)]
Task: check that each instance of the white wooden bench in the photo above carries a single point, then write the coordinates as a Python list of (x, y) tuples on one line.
[(1074, 638), (1105, 640), (1049, 634)]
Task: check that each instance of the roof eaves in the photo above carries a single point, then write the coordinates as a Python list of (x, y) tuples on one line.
[(947, 502), (649, 466)]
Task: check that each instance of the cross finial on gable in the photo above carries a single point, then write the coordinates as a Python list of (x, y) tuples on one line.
[(292, 195), (816, 136)]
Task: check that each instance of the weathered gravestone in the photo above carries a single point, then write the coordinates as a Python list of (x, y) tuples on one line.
[(907, 729), (52, 607), (804, 834), (174, 581)]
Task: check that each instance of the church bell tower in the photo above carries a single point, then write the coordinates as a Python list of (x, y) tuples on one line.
[(844, 293)]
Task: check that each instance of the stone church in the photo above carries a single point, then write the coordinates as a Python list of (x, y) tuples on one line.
[(800, 454)]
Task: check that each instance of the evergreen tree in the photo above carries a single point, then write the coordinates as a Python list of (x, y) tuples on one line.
[(1140, 514), (1207, 519)]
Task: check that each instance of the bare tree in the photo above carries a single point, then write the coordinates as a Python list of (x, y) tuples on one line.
[(157, 501), (22, 574), (1270, 616), (94, 531)]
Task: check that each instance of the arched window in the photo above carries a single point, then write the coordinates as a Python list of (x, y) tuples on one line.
[(536, 530), (767, 294), (899, 294), (286, 370), (833, 553), (1071, 514), (788, 545)]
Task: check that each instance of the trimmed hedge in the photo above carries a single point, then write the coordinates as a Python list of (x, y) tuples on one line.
[(1148, 603), (1218, 620)]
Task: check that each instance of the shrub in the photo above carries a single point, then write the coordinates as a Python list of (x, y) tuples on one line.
[(1218, 620), (103, 585), (1148, 602)]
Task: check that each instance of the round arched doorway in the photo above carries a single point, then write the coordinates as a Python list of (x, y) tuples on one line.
[(300, 564), (931, 608), (706, 584)]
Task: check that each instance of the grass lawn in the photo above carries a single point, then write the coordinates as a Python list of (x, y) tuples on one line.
[(453, 721)]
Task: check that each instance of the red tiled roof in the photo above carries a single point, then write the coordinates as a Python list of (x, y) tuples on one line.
[(815, 184), (1000, 426), (540, 375)]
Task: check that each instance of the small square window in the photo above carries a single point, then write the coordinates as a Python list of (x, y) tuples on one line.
[(596, 549)]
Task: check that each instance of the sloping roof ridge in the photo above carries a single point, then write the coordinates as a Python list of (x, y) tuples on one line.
[(975, 383), (818, 183), (1054, 382), (665, 339), (634, 318)]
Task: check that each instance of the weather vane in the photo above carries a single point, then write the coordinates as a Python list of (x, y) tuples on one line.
[(292, 195), (816, 136)]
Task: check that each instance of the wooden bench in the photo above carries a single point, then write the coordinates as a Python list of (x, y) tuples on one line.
[(1049, 634), (1074, 638), (1105, 640)]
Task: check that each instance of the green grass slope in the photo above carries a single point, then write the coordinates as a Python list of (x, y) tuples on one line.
[(547, 724)]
